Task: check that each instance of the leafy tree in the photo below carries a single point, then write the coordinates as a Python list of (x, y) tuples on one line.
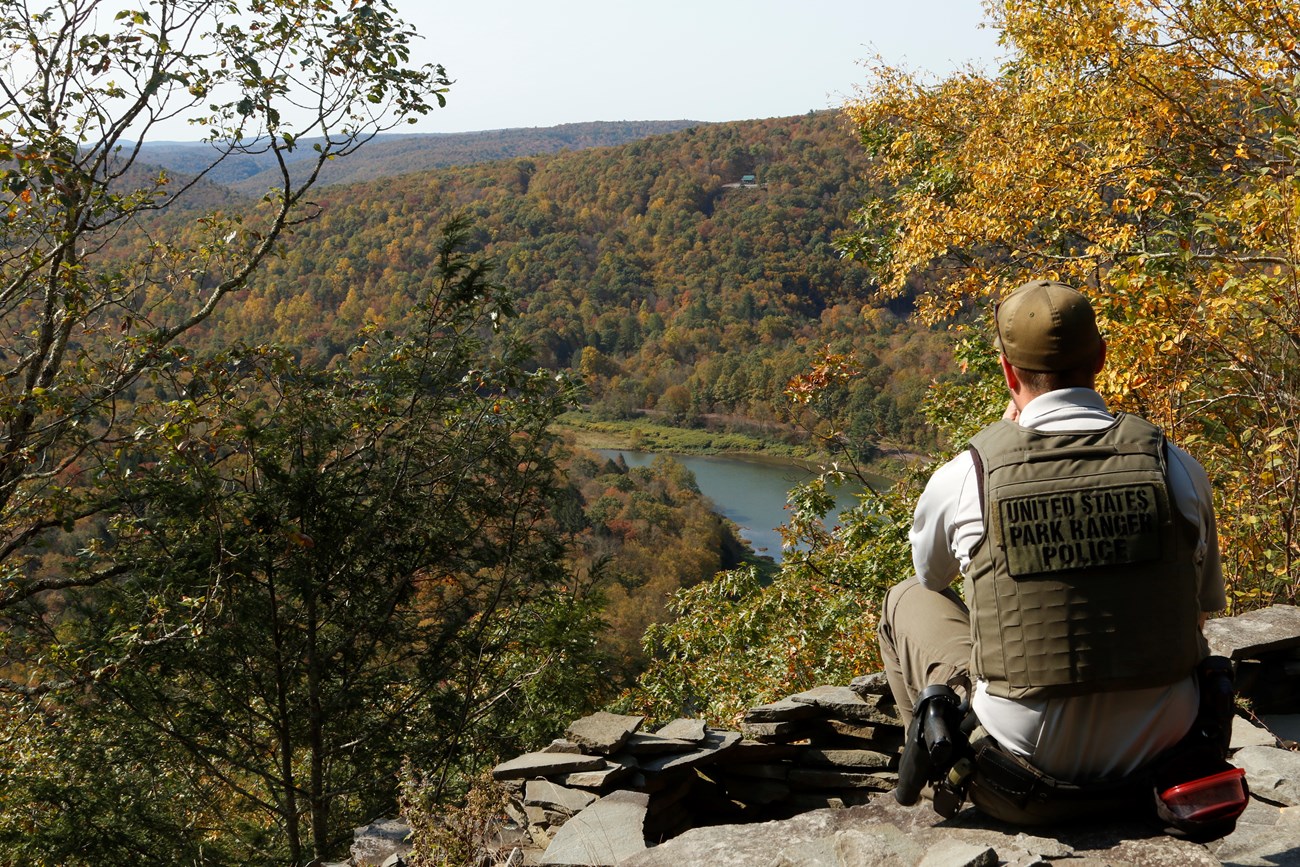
[(106, 262), (740, 640), (315, 575), (649, 532), (1144, 150)]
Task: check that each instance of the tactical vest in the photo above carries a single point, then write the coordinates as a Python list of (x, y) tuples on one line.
[(1084, 579)]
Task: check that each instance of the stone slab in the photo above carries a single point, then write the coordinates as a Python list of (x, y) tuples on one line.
[(713, 744), (540, 836), (773, 731), (1273, 774), (603, 732), (544, 765), (515, 811), (825, 778), (1259, 839), (785, 710), (692, 730), (837, 799), (958, 853), (854, 847), (544, 793), (608, 774), (1042, 847), (876, 844), (847, 704), (643, 744), (373, 844), (846, 758), (1249, 635), (606, 833), (1247, 734), (858, 731), (871, 684), (750, 752), (560, 745), (885, 833)]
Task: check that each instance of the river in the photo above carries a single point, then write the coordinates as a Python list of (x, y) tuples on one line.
[(749, 491)]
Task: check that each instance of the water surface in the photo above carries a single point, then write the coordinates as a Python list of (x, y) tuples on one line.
[(749, 491)]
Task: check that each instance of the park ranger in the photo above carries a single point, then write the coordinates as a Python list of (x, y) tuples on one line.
[(1088, 548)]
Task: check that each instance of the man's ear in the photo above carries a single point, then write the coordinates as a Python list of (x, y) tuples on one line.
[(1101, 357), (1009, 374)]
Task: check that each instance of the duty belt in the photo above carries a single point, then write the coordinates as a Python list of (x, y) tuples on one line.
[(947, 751)]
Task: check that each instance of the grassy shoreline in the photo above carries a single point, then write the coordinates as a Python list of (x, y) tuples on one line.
[(643, 434)]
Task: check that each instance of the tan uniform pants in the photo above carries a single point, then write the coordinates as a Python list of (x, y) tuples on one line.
[(924, 639)]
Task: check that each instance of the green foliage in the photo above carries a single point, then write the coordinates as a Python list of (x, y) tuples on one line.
[(450, 835), (96, 285), (642, 267), (738, 640), (960, 406), (643, 434), (310, 575), (647, 532)]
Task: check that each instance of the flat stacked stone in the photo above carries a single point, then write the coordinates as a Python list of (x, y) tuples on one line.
[(844, 703), (603, 733), (838, 747), (829, 746), (693, 730), (532, 765), (1265, 648), (1255, 633), (609, 831)]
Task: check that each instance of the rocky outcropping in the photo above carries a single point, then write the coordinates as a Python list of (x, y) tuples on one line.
[(828, 747), (804, 781)]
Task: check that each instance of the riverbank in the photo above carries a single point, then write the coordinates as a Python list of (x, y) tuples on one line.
[(648, 435)]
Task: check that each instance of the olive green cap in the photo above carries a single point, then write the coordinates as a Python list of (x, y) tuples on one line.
[(1045, 325)]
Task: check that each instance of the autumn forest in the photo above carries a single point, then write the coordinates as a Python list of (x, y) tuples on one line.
[(299, 520)]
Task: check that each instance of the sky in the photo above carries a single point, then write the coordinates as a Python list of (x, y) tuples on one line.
[(522, 63)]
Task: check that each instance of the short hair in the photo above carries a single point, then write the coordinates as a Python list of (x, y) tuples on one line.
[(1043, 381)]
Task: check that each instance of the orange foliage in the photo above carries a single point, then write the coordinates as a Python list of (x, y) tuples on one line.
[(1143, 150)]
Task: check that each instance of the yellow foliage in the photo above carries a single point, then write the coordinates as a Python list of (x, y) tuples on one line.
[(1143, 150)]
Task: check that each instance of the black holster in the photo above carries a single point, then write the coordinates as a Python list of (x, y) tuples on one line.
[(1214, 717), (935, 742)]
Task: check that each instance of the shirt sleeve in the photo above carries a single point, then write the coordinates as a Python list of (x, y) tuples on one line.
[(935, 521), (1191, 491)]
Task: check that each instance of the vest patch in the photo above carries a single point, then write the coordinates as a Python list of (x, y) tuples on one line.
[(1081, 529)]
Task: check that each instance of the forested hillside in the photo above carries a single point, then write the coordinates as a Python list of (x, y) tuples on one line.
[(649, 268), (242, 585), (394, 154)]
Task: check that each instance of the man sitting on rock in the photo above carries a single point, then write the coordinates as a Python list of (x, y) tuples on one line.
[(1088, 548)]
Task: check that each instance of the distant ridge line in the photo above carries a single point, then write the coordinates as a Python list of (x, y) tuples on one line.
[(392, 154)]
